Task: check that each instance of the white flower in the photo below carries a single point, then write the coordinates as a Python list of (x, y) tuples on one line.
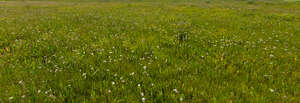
[(113, 83), (181, 99), (142, 94), (21, 82), (109, 91), (52, 96), (143, 99), (271, 55), (139, 85), (39, 91), (23, 96), (272, 90), (175, 90), (145, 67), (10, 98), (132, 73), (83, 74)]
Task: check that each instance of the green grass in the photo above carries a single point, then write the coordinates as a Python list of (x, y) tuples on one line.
[(91, 52)]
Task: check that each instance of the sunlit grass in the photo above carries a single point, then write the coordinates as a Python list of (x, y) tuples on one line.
[(232, 51)]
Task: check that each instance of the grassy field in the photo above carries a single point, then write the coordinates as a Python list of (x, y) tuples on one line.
[(141, 51)]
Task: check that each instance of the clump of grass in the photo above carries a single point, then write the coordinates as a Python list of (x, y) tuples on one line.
[(207, 1), (250, 1)]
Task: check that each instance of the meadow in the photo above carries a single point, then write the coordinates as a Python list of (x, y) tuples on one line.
[(149, 51)]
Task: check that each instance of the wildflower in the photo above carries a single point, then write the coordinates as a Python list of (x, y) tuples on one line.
[(272, 90), (113, 83), (10, 98), (109, 91), (271, 55), (142, 94), (84, 75), (52, 96), (175, 90), (23, 96), (21, 82), (143, 99), (39, 91), (181, 99), (139, 85), (132, 73), (145, 67)]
